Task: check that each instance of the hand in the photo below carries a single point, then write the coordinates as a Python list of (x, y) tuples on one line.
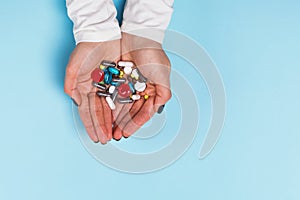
[(94, 111), (154, 64)]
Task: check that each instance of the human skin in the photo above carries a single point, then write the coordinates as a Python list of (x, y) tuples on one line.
[(154, 64), (95, 114), (94, 111)]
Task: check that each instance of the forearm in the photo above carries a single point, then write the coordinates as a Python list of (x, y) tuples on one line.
[(147, 18), (94, 20)]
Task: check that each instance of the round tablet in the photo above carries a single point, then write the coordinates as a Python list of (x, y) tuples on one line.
[(124, 90), (140, 87), (97, 75)]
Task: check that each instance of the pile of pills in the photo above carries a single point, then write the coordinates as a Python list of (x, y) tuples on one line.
[(122, 83)]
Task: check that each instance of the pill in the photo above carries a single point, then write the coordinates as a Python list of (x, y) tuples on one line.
[(102, 67), (111, 89), (146, 96), (110, 103), (127, 70), (125, 100), (130, 79), (125, 64), (114, 95), (135, 74), (121, 74), (98, 85), (119, 80), (124, 90), (141, 78), (140, 86), (102, 94), (115, 83), (135, 97), (108, 63), (131, 87), (113, 70), (107, 78), (97, 75)]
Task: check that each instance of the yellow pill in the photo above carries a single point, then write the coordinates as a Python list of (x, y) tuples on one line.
[(102, 67), (146, 96)]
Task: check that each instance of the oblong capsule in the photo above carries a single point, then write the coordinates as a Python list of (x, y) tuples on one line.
[(110, 103), (125, 100), (117, 84), (111, 89), (119, 80), (103, 94), (141, 78), (135, 97), (107, 63), (131, 87), (114, 95), (113, 70), (135, 74), (107, 78), (125, 64), (99, 86)]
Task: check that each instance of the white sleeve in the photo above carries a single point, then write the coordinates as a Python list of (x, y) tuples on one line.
[(147, 18), (94, 20)]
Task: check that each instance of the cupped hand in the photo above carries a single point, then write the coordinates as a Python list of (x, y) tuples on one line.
[(94, 111), (154, 64)]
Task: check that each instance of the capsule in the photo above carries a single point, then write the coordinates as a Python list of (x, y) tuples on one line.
[(110, 103), (111, 89), (102, 94), (107, 78), (113, 70), (99, 86), (114, 95), (107, 63), (131, 87), (119, 80), (140, 86), (135, 97), (130, 79), (125, 64), (117, 84), (141, 78), (125, 100), (135, 74)]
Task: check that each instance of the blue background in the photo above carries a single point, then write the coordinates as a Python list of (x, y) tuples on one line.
[(256, 48)]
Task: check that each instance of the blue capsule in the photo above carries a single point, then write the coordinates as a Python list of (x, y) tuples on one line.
[(114, 83), (131, 87), (107, 78), (113, 70)]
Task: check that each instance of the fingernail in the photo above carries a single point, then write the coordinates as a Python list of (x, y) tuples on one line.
[(160, 109), (76, 104)]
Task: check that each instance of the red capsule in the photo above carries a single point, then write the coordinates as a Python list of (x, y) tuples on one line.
[(124, 90), (97, 75)]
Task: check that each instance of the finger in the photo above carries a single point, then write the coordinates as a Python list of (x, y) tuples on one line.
[(163, 94), (137, 105), (96, 109), (76, 97), (117, 135), (85, 115), (144, 115), (107, 115)]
